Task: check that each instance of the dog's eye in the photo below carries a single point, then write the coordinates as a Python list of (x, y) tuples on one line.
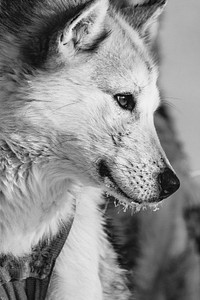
[(125, 101)]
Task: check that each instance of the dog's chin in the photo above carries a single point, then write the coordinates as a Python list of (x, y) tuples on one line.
[(114, 192)]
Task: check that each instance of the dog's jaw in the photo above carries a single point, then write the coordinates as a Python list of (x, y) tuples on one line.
[(113, 190)]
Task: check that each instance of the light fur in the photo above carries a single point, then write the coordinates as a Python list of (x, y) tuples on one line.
[(58, 121)]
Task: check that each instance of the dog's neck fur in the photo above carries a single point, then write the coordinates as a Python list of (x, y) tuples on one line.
[(32, 202)]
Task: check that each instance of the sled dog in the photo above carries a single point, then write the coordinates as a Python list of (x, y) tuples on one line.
[(77, 97)]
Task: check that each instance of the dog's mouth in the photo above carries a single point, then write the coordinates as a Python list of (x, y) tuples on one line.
[(109, 181), (114, 191)]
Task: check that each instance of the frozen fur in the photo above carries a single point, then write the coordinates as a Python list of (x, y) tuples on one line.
[(65, 137)]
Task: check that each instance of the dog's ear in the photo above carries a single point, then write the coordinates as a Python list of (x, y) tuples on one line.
[(84, 28), (143, 16)]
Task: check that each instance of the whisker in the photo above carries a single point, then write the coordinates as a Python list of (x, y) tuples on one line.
[(171, 105), (171, 98), (63, 106)]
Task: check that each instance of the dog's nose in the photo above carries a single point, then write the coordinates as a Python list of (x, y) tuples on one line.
[(169, 183)]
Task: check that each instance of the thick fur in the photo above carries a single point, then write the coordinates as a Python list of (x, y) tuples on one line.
[(64, 137)]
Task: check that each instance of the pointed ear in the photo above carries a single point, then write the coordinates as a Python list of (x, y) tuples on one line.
[(143, 16), (85, 27)]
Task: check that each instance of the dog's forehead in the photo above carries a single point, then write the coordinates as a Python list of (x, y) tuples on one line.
[(123, 63)]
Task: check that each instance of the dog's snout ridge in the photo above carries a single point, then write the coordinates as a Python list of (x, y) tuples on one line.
[(169, 183)]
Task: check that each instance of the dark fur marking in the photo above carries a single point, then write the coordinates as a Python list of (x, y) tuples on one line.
[(36, 26), (96, 42)]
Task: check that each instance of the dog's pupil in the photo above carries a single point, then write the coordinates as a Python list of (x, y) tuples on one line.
[(126, 101), (123, 100)]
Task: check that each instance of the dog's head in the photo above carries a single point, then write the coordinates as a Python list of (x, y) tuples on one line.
[(79, 88)]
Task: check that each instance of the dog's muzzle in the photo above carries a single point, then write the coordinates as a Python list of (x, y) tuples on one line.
[(167, 183)]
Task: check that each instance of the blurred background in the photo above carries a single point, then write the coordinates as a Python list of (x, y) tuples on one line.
[(180, 72)]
